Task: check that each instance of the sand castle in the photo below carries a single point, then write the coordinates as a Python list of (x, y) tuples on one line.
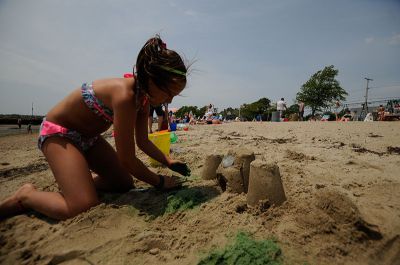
[(265, 183), (238, 172), (211, 164)]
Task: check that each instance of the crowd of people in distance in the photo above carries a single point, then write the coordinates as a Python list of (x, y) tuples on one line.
[(340, 113), (209, 117), (392, 112)]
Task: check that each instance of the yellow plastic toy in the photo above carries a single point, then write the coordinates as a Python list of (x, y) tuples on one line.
[(162, 141)]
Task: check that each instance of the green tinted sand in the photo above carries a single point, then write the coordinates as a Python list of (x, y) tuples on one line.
[(245, 251), (184, 200)]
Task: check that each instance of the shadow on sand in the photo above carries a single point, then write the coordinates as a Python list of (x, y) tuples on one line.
[(156, 203)]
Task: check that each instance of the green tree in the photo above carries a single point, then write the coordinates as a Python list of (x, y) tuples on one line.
[(180, 113), (321, 90), (230, 113), (292, 109), (250, 111), (200, 113)]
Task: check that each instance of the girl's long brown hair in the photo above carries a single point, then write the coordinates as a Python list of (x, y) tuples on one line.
[(161, 65)]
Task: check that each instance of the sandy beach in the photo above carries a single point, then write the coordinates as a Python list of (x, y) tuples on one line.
[(341, 181)]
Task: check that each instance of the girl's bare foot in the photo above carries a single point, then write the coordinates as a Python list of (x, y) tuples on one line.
[(13, 205)]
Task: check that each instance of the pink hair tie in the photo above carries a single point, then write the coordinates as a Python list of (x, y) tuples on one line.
[(128, 75)]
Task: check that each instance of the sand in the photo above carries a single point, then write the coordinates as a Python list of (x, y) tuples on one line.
[(341, 182)]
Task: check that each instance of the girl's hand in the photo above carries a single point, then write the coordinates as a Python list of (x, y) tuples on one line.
[(179, 167), (169, 183)]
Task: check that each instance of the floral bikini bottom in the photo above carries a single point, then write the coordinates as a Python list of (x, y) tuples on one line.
[(49, 129)]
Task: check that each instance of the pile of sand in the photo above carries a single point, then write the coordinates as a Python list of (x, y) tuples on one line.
[(340, 181)]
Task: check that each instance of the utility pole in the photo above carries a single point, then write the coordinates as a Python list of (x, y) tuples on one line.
[(366, 95), (32, 109)]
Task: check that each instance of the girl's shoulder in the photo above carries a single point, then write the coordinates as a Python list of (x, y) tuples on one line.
[(115, 87), (126, 83)]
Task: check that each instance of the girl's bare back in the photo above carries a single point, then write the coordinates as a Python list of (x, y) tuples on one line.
[(73, 113)]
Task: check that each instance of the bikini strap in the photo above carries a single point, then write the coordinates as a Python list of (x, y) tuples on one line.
[(143, 103)]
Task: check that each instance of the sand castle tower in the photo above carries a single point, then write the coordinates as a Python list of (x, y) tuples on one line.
[(265, 183), (210, 166)]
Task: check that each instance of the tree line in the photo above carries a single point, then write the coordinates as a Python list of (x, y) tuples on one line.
[(319, 93), (25, 119)]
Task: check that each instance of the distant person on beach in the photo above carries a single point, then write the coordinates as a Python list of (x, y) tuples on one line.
[(210, 117), (29, 128), (210, 121), (165, 121), (192, 118), (281, 107), (70, 137), (301, 110), (209, 112), (19, 123), (381, 113), (160, 117), (337, 106), (347, 116)]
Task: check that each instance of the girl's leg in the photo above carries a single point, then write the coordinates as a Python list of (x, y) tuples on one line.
[(73, 176), (150, 124), (111, 175), (11, 205)]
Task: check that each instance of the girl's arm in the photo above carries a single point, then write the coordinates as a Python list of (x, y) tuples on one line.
[(143, 142), (124, 107), (142, 139)]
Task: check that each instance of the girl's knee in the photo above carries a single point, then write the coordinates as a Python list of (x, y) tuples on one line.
[(124, 185), (121, 183), (87, 204), (81, 206)]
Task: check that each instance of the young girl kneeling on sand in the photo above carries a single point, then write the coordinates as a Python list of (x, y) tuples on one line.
[(71, 142)]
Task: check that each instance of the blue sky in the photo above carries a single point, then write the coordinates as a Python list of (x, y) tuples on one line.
[(242, 50)]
